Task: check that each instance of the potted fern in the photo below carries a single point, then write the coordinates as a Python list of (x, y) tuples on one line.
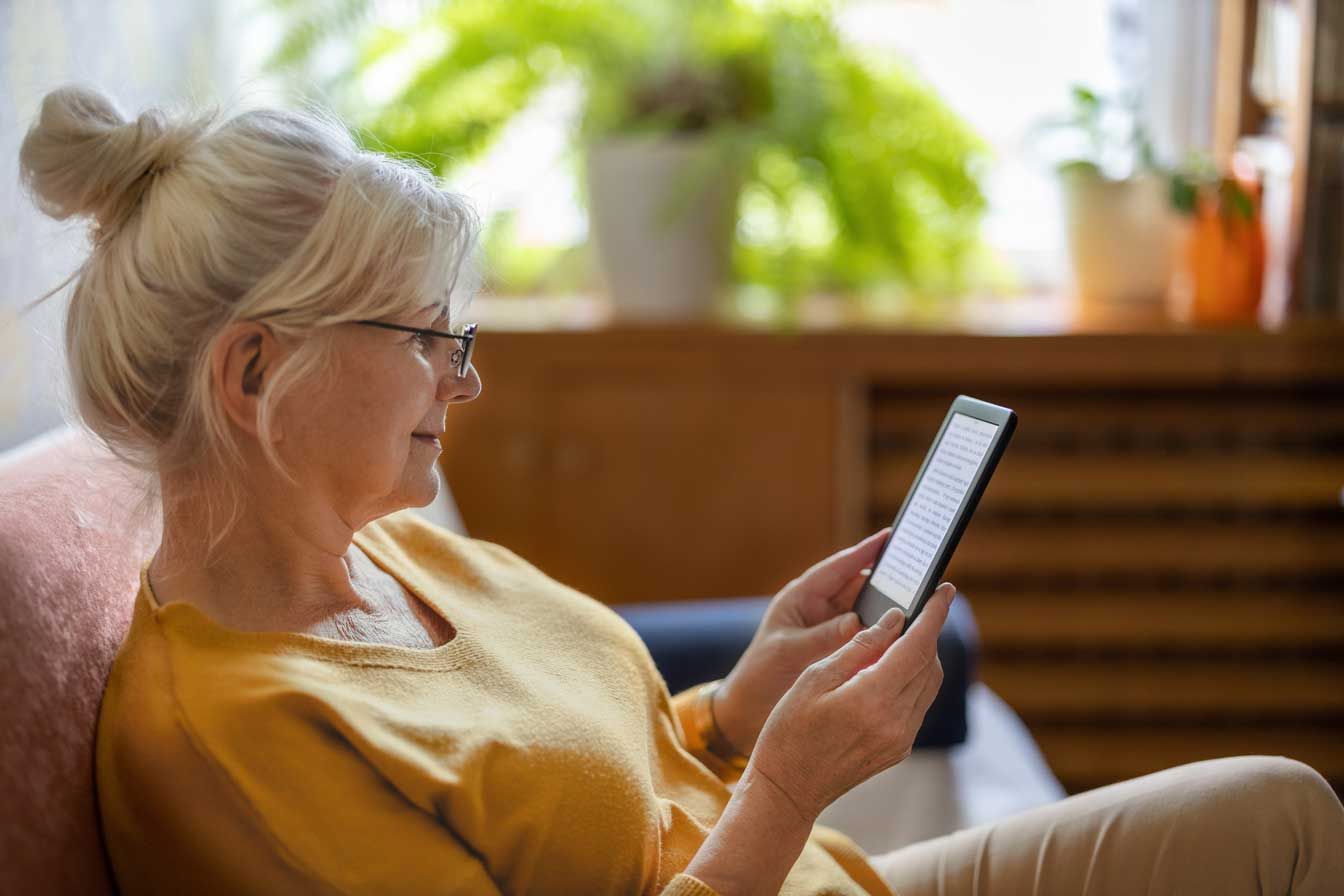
[(722, 141)]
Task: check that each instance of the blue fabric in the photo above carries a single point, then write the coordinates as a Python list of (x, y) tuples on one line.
[(700, 640)]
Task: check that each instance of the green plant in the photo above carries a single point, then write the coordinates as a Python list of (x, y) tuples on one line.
[(1108, 139), (856, 175), (1101, 135), (1200, 176)]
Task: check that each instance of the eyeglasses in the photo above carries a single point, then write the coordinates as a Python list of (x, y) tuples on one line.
[(461, 357)]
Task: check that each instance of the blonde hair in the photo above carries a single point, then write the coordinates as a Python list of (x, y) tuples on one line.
[(198, 222)]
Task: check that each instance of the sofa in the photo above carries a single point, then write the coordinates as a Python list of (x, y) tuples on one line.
[(70, 551)]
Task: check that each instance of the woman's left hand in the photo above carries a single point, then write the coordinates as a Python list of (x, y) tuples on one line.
[(809, 619)]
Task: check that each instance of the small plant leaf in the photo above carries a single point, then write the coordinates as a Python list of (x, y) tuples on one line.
[(1184, 194)]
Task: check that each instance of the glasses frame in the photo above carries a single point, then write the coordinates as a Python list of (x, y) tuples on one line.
[(467, 337)]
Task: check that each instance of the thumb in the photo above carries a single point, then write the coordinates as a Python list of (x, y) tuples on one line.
[(823, 639), (861, 651)]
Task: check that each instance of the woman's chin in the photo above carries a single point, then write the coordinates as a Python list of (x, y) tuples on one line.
[(419, 483), (425, 489)]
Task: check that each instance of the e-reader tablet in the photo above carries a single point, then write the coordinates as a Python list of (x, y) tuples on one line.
[(936, 510)]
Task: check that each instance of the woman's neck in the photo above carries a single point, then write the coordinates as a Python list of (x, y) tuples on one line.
[(281, 564)]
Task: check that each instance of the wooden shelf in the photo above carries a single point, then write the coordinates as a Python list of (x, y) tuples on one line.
[(1037, 314)]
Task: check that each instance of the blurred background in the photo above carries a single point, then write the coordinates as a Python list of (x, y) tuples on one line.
[(739, 256)]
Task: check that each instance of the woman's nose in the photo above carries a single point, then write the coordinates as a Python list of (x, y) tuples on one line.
[(456, 389)]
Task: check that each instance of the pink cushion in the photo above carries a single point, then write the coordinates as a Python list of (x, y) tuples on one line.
[(69, 569)]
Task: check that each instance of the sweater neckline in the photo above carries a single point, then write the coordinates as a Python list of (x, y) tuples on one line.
[(194, 623)]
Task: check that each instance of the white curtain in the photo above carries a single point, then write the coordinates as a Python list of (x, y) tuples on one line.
[(142, 52), (1167, 50)]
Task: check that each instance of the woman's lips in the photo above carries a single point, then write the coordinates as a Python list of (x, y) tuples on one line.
[(427, 439)]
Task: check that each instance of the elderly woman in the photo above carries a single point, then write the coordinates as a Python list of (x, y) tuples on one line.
[(320, 692)]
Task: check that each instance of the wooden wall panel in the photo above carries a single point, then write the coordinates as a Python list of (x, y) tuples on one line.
[(1093, 754), (1153, 559), (1200, 618)]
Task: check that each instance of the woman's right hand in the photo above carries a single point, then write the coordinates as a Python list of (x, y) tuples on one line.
[(854, 713)]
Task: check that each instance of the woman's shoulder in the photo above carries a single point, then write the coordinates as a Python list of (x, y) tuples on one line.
[(179, 669), (176, 653)]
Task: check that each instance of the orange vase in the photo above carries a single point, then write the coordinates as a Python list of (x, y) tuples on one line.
[(1225, 258)]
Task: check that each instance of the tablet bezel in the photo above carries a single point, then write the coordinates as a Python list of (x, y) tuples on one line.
[(872, 603)]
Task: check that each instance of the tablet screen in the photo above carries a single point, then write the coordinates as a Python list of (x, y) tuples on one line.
[(932, 509)]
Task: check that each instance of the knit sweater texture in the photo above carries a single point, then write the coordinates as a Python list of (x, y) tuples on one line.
[(538, 751)]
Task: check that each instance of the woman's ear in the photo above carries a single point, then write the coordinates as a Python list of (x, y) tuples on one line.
[(242, 360)]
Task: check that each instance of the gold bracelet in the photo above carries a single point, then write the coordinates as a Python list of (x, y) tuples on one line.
[(706, 734)]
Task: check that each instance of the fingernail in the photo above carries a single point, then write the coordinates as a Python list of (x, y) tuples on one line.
[(890, 619), (948, 589)]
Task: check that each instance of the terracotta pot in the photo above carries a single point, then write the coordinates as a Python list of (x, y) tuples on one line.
[(1224, 257)]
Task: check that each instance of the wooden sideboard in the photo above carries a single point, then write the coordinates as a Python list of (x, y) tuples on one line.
[(1157, 568)]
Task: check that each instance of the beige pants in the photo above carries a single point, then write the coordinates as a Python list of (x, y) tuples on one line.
[(1251, 824)]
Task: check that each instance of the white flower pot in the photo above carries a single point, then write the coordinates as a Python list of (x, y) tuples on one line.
[(1122, 238), (662, 211)]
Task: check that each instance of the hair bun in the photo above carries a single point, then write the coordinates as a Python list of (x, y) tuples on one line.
[(83, 158)]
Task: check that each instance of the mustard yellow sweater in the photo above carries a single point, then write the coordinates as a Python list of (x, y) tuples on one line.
[(539, 751)]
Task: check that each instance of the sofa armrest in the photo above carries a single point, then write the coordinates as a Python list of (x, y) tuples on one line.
[(700, 640)]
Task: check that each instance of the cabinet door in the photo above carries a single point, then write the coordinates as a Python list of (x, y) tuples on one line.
[(665, 487), (650, 477), (495, 460)]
